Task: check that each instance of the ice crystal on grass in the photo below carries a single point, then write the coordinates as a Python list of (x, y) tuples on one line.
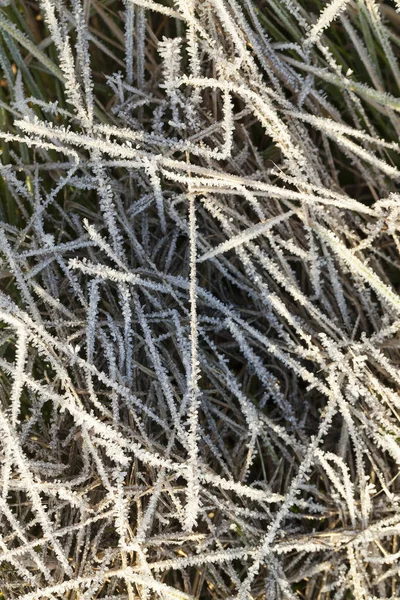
[(199, 313)]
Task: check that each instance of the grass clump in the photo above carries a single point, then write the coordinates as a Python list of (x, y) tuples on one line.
[(199, 307)]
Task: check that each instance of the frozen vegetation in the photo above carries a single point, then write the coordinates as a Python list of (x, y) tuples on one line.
[(199, 307)]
